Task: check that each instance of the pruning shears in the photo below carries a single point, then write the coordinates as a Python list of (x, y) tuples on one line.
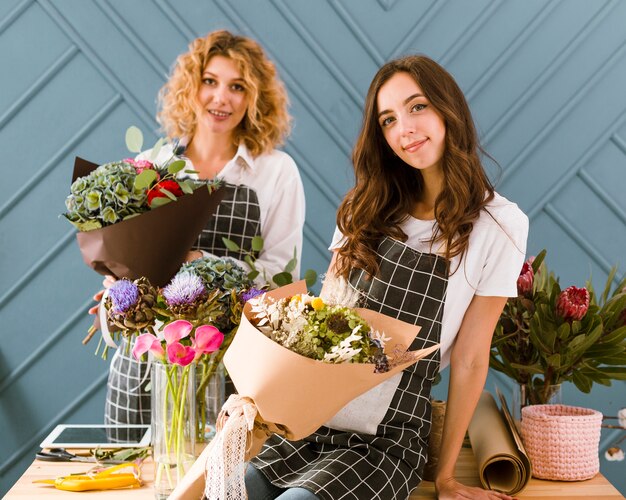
[(62, 455), (107, 479)]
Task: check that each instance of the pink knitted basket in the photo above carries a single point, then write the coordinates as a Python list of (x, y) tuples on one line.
[(562, 441)]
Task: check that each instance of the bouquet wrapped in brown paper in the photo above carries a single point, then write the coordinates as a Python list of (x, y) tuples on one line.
[(151, 240), (283, 392)]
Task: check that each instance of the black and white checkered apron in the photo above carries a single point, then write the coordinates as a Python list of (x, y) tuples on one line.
[(410, 286), (238, 218)]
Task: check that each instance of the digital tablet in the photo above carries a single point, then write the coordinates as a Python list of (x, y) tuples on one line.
[(97, 436)]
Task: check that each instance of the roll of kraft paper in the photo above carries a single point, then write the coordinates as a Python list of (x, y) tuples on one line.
[(503, 464)]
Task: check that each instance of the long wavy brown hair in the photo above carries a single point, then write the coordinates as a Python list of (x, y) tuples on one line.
[(266, 123), (386, 188)]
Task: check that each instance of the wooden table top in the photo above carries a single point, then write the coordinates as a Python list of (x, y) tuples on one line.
[(597, 488)]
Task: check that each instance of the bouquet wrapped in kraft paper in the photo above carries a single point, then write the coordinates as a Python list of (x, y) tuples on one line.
[(280, 391), (152, 244)]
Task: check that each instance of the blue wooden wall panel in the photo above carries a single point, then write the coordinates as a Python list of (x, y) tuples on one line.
[(544, 78)]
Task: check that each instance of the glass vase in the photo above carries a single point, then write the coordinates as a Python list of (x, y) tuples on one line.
[(173, 424), (527, 394), (210, 397)]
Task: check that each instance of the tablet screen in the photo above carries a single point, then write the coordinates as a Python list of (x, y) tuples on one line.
[(92, 436)]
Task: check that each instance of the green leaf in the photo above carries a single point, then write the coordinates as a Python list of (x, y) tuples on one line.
[(248, 259), (616, 373), (282, 279), (156, 149), (536, 369), (563, 331), (159, 202), (257, 244), (186, 187), (607, 287), (252, 275), (176, 166), (582, 383), (538, 260), (169, 194), (619, 360), (291, 265), (230, 245), (311, 277), (554, 361), (615, 337), (134, 139), (145, 179)]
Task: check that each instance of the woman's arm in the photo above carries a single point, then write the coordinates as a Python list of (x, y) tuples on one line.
[(469, 364)]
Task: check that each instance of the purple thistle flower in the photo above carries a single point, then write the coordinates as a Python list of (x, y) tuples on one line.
[(123, 294), (250, 294), (184, 289)]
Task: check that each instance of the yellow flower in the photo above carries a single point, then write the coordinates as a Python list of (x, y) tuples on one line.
[(317, 304), (296, 298)]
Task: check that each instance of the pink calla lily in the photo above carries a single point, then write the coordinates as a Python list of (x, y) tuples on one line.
[(207, 339), (177, 330), (180, 354), (148, 342)]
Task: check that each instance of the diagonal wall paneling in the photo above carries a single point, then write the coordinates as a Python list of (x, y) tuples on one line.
[(544, 78)]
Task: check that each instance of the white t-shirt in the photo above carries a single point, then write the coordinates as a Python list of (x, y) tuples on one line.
[(490, 266), (275, 178)]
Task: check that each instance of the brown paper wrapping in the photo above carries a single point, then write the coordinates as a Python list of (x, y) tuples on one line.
[(503, 464), (299, 394), (153, 244)]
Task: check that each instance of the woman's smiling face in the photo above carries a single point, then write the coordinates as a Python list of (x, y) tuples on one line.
[(222, 96), (412, 127)]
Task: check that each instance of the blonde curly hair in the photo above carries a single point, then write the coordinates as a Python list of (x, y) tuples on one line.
[(266, 122)]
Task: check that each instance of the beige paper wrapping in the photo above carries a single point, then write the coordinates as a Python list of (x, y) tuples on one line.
[(295, 395), (279, 380), (503, 464)]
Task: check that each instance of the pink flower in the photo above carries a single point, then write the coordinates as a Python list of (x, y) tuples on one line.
[(180, 354), (177, 330), (148, 342), (140, 165), (207, 339), (573, 303), (526, 279)]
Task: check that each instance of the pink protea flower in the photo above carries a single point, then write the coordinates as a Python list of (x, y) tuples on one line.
[(140, 165), (573, 303), (526, 279)]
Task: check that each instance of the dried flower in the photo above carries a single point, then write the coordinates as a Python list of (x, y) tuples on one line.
[(573, 303), (311, 328), (621, 417), (526, 279), (614, 454)]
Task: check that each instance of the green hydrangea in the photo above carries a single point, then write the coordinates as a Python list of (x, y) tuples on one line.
[(105, 196)]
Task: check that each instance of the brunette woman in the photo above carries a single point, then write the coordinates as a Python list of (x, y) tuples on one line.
[(426, 239)]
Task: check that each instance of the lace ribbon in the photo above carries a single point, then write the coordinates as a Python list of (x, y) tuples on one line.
[(225, 464)]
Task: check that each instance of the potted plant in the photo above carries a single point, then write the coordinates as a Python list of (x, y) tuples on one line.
[(546, 335)]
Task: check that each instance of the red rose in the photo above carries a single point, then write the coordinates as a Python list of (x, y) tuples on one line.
[(169, 185)]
